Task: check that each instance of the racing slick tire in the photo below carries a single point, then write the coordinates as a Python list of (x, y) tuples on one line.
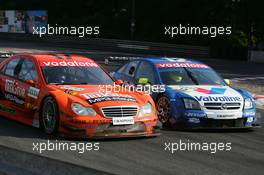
[(49, 117), (164, 109)]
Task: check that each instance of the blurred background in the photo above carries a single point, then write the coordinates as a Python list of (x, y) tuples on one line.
[(144, 20)]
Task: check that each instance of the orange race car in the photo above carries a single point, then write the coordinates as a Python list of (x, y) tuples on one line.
[(67, 94)]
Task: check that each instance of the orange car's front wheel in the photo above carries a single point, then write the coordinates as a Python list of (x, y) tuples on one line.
[(49, 116)]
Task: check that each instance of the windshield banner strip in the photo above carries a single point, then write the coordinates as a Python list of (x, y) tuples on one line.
[(187, 65), (67, 63)]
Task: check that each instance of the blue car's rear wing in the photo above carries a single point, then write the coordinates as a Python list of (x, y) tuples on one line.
[(119, 60)]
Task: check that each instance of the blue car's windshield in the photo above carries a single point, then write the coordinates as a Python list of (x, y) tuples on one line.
[(190, 76)]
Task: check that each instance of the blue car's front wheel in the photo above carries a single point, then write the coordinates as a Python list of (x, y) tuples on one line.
[(163, 109)]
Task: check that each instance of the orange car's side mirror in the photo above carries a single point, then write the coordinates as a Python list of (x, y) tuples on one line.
[(31, 82), (119, 82)]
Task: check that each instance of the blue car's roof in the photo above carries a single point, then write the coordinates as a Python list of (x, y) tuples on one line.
[(157, 60)]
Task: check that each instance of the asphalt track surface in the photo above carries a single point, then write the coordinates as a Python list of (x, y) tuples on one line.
[(148, 156)]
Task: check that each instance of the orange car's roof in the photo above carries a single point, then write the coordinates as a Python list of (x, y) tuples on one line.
[(73, 57)]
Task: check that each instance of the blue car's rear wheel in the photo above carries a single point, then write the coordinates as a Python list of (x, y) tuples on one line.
[(163, 109)]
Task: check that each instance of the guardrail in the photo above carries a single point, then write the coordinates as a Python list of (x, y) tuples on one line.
[(257, 56), (113, 45)]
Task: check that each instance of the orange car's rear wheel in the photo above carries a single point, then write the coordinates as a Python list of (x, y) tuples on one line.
[(50, 116)]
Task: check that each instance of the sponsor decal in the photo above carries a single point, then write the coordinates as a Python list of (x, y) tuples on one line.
[(211, 91), (111, 98), (183, 89), (194, 120), (68, 63), (13, 88), (30, 107), (187, 89), (14, 98), (97, 95), (225, 115), (217, 99), (123, 121), (251, 113), (91, 126), (77, 121), (71, 88), (176, 65), (192, 114), (35, 121), (33, 92), (250, 119), (93, 95), (70, 92), (178, 60), (100, 97), (7, 109), (100, 121)]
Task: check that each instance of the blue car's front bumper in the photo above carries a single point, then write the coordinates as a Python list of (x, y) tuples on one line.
[(198, 119)]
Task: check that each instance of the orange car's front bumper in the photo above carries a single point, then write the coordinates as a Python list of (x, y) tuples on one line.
[(106, 129)]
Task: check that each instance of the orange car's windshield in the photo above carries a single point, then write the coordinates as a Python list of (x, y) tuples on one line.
[(76, 75)]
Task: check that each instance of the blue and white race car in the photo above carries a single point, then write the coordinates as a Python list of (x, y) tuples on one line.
[(195, 95)]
